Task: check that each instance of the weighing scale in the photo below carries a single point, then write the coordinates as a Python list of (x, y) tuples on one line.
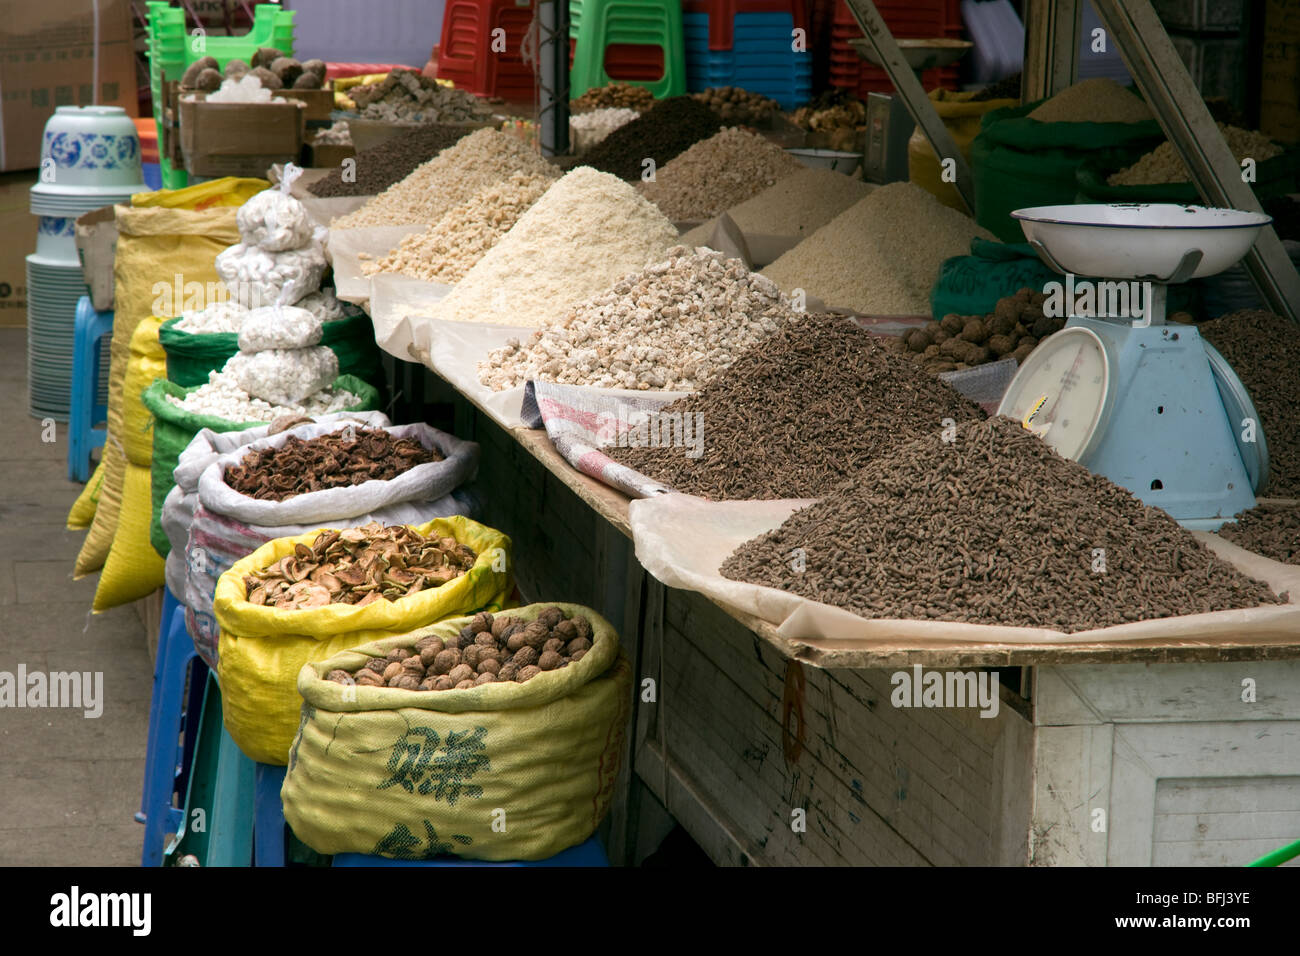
[(1153, 407)]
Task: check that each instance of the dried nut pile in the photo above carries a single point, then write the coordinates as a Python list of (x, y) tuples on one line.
[(327, 461), (796, 205), (734, 104), (668, 327), (1264, 350), (493, 648), (624, 95), (670, 128), (586, 231), (1164, 165), (717, 173), (222, 398), (391, 161), (1093, 101), (408, 96), (455, 243), (1270, 530), (359, 566), (992, 528), (336, 134), (458, 173), (881, 256), (1013, 330), (273, 70), (831, 111), (832, 398)]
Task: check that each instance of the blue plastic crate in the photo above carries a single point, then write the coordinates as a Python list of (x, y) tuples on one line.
[(761, 61)]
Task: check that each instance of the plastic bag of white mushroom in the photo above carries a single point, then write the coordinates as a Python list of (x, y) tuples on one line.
[(284, 376), (275, 221), (279, 327), (259, 278), (323, 305)]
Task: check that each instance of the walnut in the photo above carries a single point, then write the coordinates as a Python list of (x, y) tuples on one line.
[(465, 684), (487, 677), (566, 630), (394, 669), (528, 673), (376, 664), (209, 81), (287, 69), (513, 626), (485, 639), (407, 682), (482, 622), (553, 644), (577, 655), (470, 655), (466, 636), (368, 678), (551, 616), (508, 671), (443, 683), (446, 660), (499, 625), (583, 625), (576, 645), (517, 640), (429, 683), (489, 665), (430, 653), (429, 640), (550, 660), (461, 672), (525, 656), (339, 676), (536, 633), (268, 79), (397, 654)]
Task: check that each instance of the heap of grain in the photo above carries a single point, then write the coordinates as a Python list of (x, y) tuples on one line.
[(449, 248), (798, 413), (796, 205), (990, 526), (481, 159), (1092, 101), (669, 327), (881, 256), (668, 129), (1264, 350), (1164, 165), (716, 173), (586, 232)]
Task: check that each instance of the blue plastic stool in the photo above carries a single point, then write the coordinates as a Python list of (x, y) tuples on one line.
[(166, 759), (89, 329), (590, 853), (268, 816)]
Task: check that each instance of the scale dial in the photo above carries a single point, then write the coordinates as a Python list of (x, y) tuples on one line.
[(1063, 392)]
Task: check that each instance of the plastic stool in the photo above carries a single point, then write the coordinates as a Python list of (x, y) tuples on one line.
[(268, 816), (89, 329), (590, 853), (596, 25), (166, 759), (465, 54), (721, 16)]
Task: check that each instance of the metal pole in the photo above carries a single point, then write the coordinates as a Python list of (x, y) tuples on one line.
[(1051, 48), (553, 77), (913, 94), (1160, 74)]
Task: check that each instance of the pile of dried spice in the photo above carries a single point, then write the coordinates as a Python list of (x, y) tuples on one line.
[(986, 524), (1272, 530), (359, 566)]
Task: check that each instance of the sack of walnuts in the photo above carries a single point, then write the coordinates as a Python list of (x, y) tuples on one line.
[(262, 646), (517, 763)]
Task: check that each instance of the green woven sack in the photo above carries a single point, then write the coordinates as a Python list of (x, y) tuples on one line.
[(174, 428), (1019, 162), (191, 356), (1273, 177), (972, 285)]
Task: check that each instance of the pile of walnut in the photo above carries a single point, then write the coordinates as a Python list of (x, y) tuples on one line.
[(359, 566), (734, 104), (272, 68), (490, 649), (614, 95), (1013, 330)]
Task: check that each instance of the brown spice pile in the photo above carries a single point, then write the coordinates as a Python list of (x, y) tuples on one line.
[(359, 566), (799, 412), (327, 461), (1270, 530), (391, 161), (992, 528), (1264, 350), (490, 649)]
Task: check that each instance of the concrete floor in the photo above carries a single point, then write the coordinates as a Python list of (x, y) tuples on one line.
[(68, 784)]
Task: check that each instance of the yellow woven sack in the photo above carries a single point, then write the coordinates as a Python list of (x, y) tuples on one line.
[(261, 649), (99, 539), (227, 191), (148, 362), (498, 772), (962, 118), (133, 568), (83, 509)]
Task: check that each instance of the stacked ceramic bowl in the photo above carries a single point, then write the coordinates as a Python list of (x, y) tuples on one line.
[(90, 157)]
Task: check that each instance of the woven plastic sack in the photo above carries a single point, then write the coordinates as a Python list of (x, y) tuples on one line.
[(972, 285), (1019, 162), (83, 509), (262, 649), (148, 363), (415, 775), (174, 428), (133, 568), (962, 118)]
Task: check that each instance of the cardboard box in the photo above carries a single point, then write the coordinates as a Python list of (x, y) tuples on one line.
[(320, 103), (239, 139), (57, 53), (96, 236), (18, 226), (328, 155)]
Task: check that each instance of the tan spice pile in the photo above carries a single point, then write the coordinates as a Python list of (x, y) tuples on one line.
[(1093, 101), (992, 528), (881, 256), (1164, 165), (795, 205)]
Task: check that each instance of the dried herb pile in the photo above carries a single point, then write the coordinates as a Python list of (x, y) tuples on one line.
[(1264, 350), (359, 566), (992, 528), (1270, 530), (667, 129), (326, 461), (490, 649), (798, 413)]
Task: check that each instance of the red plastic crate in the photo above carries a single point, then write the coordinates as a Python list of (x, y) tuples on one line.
[(919, 19), (465, 56), (722, 16)]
